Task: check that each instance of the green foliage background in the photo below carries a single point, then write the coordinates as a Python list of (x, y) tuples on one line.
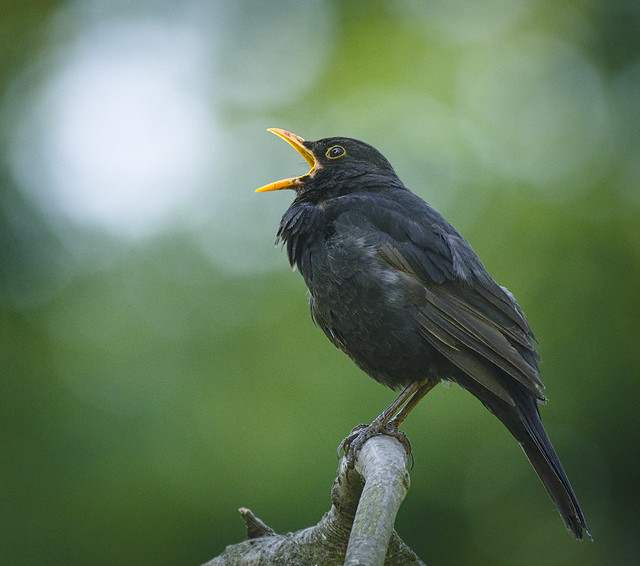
[(152, 385)]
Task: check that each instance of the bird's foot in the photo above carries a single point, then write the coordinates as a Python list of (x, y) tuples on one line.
[(361, 433)]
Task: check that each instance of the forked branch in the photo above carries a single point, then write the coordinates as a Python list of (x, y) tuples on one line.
[(356, 531)]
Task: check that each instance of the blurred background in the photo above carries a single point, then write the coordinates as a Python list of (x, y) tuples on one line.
[(158, 365)]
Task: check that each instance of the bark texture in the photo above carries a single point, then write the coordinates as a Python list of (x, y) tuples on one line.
[(356, 531)]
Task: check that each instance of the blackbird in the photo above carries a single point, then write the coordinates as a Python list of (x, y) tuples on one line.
[(394, 286)]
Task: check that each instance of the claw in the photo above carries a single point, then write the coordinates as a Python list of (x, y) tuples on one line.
[(346, 442), (361, 433)]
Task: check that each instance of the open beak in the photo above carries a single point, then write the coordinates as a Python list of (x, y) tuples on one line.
[(294, 182)]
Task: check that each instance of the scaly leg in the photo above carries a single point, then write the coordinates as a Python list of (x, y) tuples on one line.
[(425, 387), (387, 422)]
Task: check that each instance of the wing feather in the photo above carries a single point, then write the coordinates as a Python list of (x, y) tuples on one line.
[(440, 338), (469, 328), (461, 311)]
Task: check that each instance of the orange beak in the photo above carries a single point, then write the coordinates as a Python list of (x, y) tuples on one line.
[(294, 182)]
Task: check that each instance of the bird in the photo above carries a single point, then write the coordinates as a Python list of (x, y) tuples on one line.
[(394, 286)]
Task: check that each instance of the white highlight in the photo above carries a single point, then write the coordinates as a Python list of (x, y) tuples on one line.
[(123, 131)]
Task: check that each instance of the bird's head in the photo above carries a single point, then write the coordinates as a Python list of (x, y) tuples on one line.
[(335, 163)]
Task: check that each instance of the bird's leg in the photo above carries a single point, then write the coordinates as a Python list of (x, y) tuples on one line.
[(423, 389), (387, 422)]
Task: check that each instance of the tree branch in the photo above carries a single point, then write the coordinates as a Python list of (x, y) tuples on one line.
[(383, 465), (356, 531)]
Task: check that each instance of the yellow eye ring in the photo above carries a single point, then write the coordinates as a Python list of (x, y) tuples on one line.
[(335, 151)]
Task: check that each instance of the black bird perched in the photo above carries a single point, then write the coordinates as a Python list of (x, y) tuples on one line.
[(394, 286)]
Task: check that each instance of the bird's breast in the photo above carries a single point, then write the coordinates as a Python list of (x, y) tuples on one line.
[(366, 310)]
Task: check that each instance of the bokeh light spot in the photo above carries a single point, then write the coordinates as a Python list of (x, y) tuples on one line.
[(539, 111), (465, 21), (122, 129)]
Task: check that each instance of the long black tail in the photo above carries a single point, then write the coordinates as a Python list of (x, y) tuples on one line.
[(523, 421)]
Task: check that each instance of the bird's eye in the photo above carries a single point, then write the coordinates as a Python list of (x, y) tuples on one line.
[(335, 152)]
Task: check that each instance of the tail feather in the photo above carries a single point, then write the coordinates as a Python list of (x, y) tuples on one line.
[(525, 424), (523, 421)]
